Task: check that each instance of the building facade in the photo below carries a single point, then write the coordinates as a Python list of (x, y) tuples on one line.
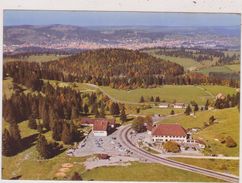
[(168, 132)]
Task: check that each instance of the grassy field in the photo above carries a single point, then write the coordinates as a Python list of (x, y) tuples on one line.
[(187, 63), (228, 125), (78, 86), (169, 93), (144, 172), (225, 166), (215, 89), (35, 58), (160, 111), (224, 69), (26, 164), (234, 67)]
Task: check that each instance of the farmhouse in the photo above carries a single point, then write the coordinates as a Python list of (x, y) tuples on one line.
[(100, 126), (179, 105), (163, 105), (169, 132)]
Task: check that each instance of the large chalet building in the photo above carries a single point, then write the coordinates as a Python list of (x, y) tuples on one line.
[(168, 132), (100, 126)]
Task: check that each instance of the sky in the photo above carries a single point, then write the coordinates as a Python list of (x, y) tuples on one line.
[(86, 18)]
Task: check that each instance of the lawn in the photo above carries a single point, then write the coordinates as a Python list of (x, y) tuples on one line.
[(228, 125), (170, 93), (220, 165), (35, 58), (144, 172)]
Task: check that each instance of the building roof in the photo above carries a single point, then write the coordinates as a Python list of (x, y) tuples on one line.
[(179, 104), (164, 103), (100, 125), (169, 130)]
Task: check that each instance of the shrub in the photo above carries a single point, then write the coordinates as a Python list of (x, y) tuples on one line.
[(230, 142), (171, 146)]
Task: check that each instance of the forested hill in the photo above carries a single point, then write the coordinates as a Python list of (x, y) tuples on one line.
[(118, 68), (120, 65)]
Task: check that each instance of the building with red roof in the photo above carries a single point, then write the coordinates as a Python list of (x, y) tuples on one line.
[(169, 132), (100, 126)]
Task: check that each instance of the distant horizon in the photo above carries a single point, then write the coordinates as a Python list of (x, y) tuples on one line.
[(118, 19), (121, 25)]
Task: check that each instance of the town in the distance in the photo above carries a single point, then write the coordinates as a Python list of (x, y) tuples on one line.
[(121, 103)]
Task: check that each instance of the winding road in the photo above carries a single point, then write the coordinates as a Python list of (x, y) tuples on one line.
[(126, 142)]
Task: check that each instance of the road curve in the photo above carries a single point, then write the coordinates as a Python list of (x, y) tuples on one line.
[(125, 141)]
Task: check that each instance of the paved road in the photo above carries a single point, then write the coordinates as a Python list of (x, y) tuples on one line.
[(125, 141)]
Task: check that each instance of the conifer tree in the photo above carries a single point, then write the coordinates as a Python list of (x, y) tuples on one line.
[(32, 123), (43, 147), (123, 116), (157, 99), (15, 135), (85, 108), (66, 136), (188, 110), (7, 144), (142, 100)]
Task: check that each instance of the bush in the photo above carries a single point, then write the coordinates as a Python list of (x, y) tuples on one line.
[(171, 146), (230, 142)]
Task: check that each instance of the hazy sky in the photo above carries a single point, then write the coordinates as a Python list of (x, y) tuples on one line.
[(84, 18)]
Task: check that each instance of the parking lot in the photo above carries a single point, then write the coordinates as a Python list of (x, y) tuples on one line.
[(96, 145)]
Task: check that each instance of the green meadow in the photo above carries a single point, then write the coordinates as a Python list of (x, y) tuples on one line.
[(144, 172), (220, 165)]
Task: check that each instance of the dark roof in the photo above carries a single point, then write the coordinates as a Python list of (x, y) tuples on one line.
[(169, 130)]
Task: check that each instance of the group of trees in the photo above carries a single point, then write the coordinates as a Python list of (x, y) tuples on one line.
[(152, 99), (140, 123), (228, 101), (199, 54)]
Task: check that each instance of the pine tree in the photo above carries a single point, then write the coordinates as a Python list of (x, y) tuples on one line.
[(43, 147), (7, 144), (188, 110), (66, 136), (172, 112), (102, 111), (15, 134), (86, 110), (152, 99), (74, 112), (157, 99), (142, 100), (206, 105), (57, 130), (196, 107), (46, 119), (32, 123), (123, 116)]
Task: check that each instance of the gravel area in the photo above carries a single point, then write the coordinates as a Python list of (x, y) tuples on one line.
[(96, 145), (112, 161)]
